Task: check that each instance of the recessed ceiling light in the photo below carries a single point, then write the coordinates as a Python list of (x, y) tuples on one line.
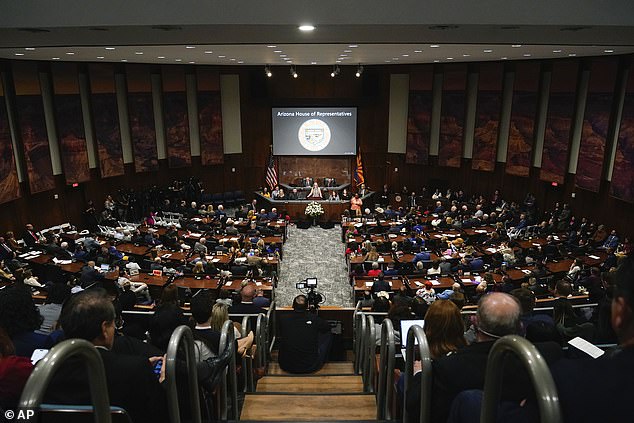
[(306, 28), (572, 54), (487, 50), (436, 61), (100, 57), (240, 61), (313, 63), (527, 55), (449, 58), (405, 55), (516, 45), (29, 48), (388, 61), (346, 58), (124, 60), (191, 63), (342, 55), (221, 56), (190, 46), (138, 53), (394, 58), (70, 53), (353, 46), (208, 52), (418, 51), (338, 61), (289, 61), (434, 46), (503, 58), (55, 58), (271, 46), (347, 51), (178, 60), (18, 54), (232, 59), (277, 51), (608, 51), (161, 57), (466, 55), (556, 51), (109, 48)]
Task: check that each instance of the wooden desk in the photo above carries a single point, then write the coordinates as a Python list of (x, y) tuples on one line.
[(128, 248)]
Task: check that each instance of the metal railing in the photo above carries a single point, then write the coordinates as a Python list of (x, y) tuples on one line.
[(182, 334), (386, 369), (261, 341), (359, 343), (369, 344), (545, 389), (414, 336), (229, 385), (247, 362), (271, 329), (36, 385)]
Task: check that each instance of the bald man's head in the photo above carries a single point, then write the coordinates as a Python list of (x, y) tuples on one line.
[(498, 315), (247, 293)]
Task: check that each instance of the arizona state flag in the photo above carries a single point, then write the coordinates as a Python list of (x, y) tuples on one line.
[(358, 171)]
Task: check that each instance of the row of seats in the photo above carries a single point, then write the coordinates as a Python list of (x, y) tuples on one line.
[(229, 198)]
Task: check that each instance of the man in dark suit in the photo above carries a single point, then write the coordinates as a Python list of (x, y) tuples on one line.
[(132, 385), (6, 253), (498, 315), (612, 389), (246, 306), (305, 341), (89, 275), (30, 236)]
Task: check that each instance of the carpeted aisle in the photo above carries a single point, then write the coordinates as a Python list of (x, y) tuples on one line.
[(318, 253)]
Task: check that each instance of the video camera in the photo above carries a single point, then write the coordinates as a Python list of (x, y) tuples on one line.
[(314, 298)]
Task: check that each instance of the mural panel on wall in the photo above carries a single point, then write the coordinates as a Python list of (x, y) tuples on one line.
[(175, 116), (210, 117), (523, 112), (596, 121), (563, 85), (9, 185), (452, 115), (141, 117), (419, 115), (487, 122)]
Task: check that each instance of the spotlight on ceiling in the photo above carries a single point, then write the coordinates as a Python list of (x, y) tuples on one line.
[(359, 71), (294, 72), (267, 71), (335, 71)]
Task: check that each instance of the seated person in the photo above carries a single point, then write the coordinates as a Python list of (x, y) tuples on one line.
[(305, 340)]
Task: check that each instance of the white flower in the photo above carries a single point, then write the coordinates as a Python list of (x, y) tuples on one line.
[(314, 209)]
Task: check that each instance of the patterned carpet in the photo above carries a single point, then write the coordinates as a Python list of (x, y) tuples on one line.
[(318, 253)]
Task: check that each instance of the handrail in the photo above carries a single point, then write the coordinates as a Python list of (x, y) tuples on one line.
[(261, 341), (386, 369), (33, 392), (182, 334), (589, 305), (230, 380), (355, 336), (247, 363), (271, 329), (417, 335), (545, 389), (370, 357), (359, 346)]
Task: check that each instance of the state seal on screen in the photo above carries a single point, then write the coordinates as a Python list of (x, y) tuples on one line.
[(314, 135)]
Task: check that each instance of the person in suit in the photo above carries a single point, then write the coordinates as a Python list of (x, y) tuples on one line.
[(132, 385), (498, 315), (306, 339), (6, 252), (611, 391), (307, 182), (246, 306), (30, 236), (89, 275)]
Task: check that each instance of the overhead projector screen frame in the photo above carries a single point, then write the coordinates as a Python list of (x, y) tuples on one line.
[(314, 131)]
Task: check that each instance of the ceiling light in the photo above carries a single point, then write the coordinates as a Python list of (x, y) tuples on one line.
[(289, 61), (608, 51), (277, 51), (222, 56), (488, 50), (359, 71), (190, 47), (449, 58), (572, 54), (335, 71), (100, 57), (271, 46), (29, 48), (109, 48), (343, 55), (178, 60), (294, 72), (18, 54), (466, 55), (70, 53), (138, 52), (232, 59), (405, 55), (124, 60), (527, 55), (347, 51), (191, 63), (161, 57), (240, 61), (338, 61), (208, 51), (306, 28), (516, 45), (556, 51), (313, 63), (353, 46), (436, 61), (283, 55), (418, 51), (267, 71), (503, 58), (434, 46), (388, 61), (55, 58)]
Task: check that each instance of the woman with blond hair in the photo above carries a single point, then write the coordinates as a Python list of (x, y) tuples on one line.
[(219, 315)]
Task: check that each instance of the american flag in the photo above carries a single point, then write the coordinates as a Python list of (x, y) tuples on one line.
[(271, 172)]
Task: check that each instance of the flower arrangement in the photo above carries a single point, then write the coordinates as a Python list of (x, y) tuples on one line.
[(314, 209)]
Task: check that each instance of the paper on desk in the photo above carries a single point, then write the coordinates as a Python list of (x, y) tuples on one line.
[(418, 283), (536, 244), (258, 283), (585, 346), (223, 240), (168, 255), (438, 236), (209, 257), (234, 238), (480, 231), (526, 271), (369, 284), (228, 283), (391, 236), (594, 257), (435, 283), (465, 280), (216, 260), (195, 235), (491, 250)]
